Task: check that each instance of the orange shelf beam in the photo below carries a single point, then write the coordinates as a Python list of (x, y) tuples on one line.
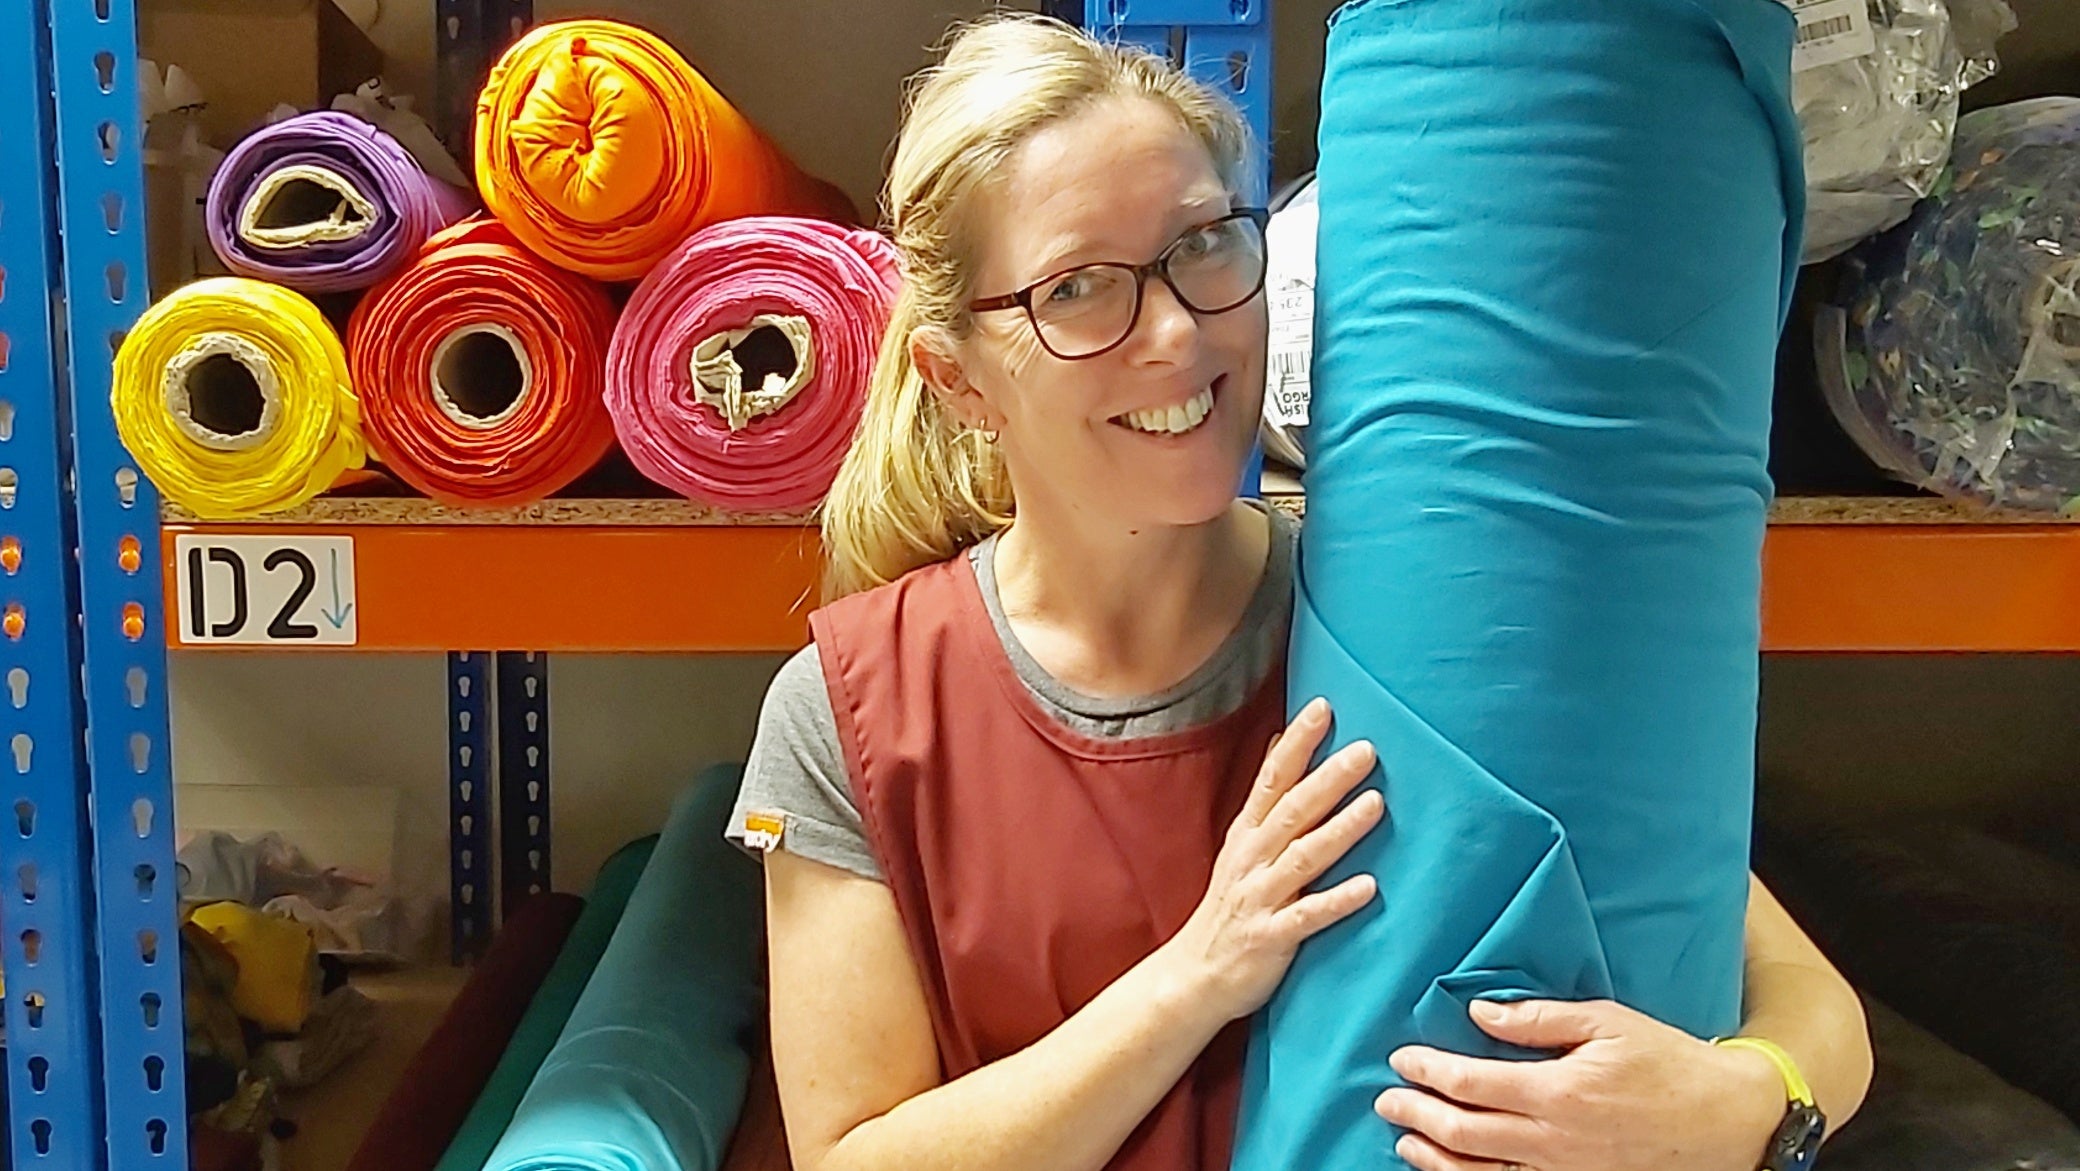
[(553, 588), (645, 582), (1922, 588)]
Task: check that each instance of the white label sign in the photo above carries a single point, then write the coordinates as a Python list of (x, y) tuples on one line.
[(1831, 31), (1288, 388), (266, 590)]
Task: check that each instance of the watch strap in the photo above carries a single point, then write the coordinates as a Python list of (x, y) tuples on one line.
[(1795, 1087)]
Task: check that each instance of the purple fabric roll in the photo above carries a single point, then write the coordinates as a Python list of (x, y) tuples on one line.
[(325, 203)]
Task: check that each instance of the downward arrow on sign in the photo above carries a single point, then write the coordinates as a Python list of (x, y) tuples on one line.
[(336, 615)]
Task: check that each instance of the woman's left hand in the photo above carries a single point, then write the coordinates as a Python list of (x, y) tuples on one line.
[(1628, 1094)]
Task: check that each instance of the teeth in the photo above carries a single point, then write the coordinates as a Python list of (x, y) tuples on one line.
[(1173, 420)]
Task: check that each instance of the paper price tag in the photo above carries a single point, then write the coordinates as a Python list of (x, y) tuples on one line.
[(266, 590), (1831, 31)]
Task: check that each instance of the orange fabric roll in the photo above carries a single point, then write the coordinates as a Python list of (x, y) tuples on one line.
[(601, 148), (481, 370)]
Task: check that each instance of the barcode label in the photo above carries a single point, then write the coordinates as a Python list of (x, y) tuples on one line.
[(1831, 31), (1287, 391), (1833, 26), (1286, 385)]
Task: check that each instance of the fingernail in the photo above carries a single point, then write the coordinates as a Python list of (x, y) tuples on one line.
[(1490, 1010), (1316, 708)]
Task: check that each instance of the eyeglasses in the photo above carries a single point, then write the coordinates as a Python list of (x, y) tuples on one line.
[(1088, 310)]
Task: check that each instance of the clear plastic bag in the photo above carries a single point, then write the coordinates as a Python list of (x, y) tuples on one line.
[(1878, 125), (1289, 291), (1952, 354)]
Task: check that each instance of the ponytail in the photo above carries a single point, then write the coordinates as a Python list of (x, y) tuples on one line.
[(916, 487)]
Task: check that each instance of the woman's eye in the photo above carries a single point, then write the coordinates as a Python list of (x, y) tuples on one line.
[(1069, 288)]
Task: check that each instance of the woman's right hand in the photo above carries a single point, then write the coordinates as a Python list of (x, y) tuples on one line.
[(1237, 945)]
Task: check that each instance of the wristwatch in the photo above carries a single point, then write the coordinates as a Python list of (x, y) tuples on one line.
[(1797, 1141)]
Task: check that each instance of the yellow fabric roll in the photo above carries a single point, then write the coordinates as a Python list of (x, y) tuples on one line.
[(277, 963), (234, 397)]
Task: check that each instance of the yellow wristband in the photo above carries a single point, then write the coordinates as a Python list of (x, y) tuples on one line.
[(1794, 1081)]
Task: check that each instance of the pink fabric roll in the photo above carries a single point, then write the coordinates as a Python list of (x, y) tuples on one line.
[(739, 367)]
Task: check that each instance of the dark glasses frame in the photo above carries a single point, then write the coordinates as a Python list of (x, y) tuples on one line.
[(1158, 268)]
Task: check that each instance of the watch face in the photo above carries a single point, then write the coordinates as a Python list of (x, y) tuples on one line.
[(1798, 1140)]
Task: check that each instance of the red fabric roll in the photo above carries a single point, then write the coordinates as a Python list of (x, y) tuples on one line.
[(427, 1107), (480, 369)]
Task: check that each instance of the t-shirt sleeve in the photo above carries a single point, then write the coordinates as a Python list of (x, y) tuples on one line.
[(796, 795)]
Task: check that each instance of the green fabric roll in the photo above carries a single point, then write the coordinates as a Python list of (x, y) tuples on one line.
[(550, 1009), (651, 1072)]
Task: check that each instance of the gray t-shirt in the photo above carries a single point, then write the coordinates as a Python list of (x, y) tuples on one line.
[(796, 794)]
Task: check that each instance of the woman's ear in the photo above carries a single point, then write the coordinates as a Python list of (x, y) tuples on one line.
[(937, 358)]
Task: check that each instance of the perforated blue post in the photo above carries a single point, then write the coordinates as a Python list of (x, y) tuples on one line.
[(504, 21), (523, 776), (469, 804), (101, 201), (468, 37), (46, 939), (1237, 58), (460, 66)]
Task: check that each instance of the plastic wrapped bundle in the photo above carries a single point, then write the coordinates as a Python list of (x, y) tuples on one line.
[(1956, 363), (602, 149), (1878, 111), (325, 203), (739, 368), (234, 397), (1289, 287), (480, 368)]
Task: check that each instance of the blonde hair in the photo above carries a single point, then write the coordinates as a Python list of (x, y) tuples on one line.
[(916, 486)]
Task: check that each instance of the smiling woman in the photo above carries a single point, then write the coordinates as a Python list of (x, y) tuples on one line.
[(1020, 783)]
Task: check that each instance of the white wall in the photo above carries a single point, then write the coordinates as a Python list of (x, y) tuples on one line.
[(290, 740)]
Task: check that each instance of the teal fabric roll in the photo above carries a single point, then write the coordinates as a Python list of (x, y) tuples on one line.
[(650, 1073), (550, 1010), (1557, 244)]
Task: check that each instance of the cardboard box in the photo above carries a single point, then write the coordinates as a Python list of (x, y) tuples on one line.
[(252, 55)]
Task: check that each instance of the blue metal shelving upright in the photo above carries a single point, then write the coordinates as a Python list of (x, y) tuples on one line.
[(1226, 43), (46, 916), (98, 142)]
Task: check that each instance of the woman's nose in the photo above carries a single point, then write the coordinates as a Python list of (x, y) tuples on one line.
[(1168, 329)]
